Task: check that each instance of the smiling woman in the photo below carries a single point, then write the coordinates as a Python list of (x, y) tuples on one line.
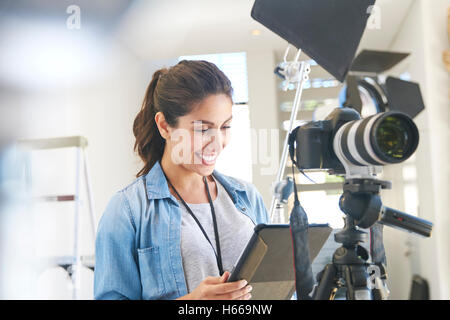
[(173, 94), (177, 229)]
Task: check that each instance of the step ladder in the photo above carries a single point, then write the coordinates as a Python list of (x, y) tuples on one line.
[(71, 263)]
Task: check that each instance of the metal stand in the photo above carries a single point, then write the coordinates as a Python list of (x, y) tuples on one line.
[(72, 263), (293, 72)]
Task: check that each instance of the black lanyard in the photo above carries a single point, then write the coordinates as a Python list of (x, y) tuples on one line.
[(213, 214)]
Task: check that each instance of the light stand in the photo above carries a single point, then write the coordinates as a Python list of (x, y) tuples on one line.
[(293, 72)]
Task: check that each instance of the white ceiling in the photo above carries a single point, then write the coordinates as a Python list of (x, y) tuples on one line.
[(156, 29), (100, 15)]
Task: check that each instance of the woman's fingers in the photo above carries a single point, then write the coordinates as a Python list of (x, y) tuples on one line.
[(248, 296), (218, 289), (228, 287), (240, 294)]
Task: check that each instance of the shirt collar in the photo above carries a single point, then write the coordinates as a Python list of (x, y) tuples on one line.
[(156, 183), (157, 186)]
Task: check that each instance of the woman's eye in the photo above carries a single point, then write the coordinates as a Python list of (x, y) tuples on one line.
[(205, 130)]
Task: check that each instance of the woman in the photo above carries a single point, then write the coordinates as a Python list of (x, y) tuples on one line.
[(178, 229)]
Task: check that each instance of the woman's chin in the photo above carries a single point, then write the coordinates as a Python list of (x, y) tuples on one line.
[(207, 170), (204, 170)]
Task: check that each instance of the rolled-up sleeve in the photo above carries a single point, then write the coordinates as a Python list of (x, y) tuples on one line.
[(116, 274)]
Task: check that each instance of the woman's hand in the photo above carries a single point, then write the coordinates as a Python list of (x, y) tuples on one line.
[(216, 288)]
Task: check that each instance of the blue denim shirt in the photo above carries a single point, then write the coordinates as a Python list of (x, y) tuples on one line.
[(137, 248)]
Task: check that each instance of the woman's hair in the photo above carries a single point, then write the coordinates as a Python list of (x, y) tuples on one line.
[(174, 92)]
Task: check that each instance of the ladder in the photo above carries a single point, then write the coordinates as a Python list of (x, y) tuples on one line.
[(71, 263)]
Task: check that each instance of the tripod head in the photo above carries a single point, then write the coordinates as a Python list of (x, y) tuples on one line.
[(361, 201)]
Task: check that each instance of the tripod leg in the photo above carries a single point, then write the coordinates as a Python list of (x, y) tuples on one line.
[(378, 277), (326, 288), (356, 282)]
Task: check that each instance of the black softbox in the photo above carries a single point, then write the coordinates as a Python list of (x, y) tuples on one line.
[(329, 31)]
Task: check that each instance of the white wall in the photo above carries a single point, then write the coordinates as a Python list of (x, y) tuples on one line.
[(101, 107), (104, 114), (263, 118), (424, 35), (437, 100)]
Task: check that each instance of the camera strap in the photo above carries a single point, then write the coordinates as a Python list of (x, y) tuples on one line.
[(291, 143), (298, 221), (213, 214)]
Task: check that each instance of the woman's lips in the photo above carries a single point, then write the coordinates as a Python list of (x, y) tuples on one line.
[(207, 159)]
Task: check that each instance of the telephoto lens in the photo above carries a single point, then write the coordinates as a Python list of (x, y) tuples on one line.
[(381, 139)]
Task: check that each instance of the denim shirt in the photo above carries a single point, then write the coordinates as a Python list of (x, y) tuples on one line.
[(137, 248)]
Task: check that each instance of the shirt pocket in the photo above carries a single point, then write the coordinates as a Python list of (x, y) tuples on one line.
[(150, 272)]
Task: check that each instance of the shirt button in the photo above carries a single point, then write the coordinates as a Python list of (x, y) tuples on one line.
[(243, 209)]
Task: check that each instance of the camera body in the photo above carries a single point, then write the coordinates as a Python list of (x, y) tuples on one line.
[(315, 141)]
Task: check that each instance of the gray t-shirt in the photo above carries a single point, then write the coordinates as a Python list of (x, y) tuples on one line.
[(235, 230)]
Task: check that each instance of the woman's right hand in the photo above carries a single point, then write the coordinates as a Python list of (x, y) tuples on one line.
[(216, 288)]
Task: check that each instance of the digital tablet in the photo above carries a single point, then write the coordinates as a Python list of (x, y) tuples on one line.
[(267, 260)]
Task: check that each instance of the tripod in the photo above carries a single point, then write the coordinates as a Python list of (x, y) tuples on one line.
[(349, 268)]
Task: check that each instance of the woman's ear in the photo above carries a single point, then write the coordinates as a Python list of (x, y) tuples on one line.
[(162, 125)]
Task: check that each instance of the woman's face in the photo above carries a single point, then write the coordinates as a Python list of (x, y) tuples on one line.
[(202, 134)]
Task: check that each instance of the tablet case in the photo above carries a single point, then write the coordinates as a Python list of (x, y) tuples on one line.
[(267, 261)]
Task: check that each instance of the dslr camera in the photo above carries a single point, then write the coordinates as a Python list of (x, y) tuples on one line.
[(344, 141)]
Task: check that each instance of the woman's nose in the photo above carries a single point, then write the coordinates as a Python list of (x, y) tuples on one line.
[(216, 140)]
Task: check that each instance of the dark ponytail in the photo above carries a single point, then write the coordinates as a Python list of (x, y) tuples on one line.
[(174, 92), (149, 143)]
